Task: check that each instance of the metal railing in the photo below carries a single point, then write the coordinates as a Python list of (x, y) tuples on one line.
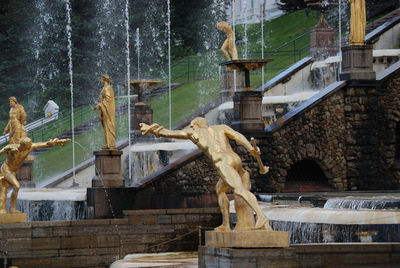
[(197, 67)]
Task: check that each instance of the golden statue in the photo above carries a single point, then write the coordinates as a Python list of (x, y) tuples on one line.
[(16, 124), (229, 42), (214, 142), (16, 154), (106, 109), (358, 22)]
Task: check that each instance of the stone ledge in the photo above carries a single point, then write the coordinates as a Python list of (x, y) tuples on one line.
[(250, 239), (172, 211), (14, 218)]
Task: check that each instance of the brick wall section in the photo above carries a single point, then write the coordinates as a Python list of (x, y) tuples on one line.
[(98, 243), (304, 255)]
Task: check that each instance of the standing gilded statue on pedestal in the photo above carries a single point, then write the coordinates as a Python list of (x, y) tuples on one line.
[(358, 22), (214, 142), (16, 124), (106, 109), (229, 42)]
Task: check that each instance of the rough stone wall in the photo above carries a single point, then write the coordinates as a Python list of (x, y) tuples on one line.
[(98, 243), (388, 171), (361, 113), (316, 134), (197, 176)]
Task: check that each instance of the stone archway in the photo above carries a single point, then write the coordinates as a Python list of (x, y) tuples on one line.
[(306, 176)]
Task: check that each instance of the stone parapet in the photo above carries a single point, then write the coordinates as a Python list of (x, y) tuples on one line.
[(304, 255), (98, 243)]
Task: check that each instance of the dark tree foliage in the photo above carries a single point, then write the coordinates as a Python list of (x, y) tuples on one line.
[(34, 63), (291, 5)]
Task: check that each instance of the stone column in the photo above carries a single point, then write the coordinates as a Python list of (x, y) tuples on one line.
[(25, 173), (108, 169), (141, 114), (247, 111), (357, 63), (322, 42), (228, 84)]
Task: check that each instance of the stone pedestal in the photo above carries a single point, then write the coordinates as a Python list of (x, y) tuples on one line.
[(25, 172), (322, 42), (247, 111), (249, 239), (13, 217), (357, 63), (228, 84), (107, 169)]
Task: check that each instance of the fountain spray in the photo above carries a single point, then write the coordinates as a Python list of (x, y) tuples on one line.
[(69, 31), (138, 52), (169, 61), (245, 31), (128, 75), (234, 39), (262, 40)]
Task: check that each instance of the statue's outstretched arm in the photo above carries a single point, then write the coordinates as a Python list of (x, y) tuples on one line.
[(5, 150), (239, 138), (49, 143), (160, 131)]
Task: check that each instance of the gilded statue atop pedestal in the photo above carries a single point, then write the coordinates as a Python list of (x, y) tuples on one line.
[(229, 42), (16, 154), (106, 109), (358, 22), (214, 142), (16, 124)]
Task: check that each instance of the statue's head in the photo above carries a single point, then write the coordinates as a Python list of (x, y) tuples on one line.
[(13, 101), (106, 78), (224, 26), (199, 122), (25, 143)]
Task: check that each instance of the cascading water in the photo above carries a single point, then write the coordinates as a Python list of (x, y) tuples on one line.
[(349, 219), (52, 205), (357, 204)]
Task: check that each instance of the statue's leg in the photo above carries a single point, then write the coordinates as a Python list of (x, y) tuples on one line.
[(12, 180), (223, 202), (245, 214), (3, 196), (234, 181)]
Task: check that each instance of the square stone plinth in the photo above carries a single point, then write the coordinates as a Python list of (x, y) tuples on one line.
[(107, 169), (248, 239), (13, 217), (357, 63)]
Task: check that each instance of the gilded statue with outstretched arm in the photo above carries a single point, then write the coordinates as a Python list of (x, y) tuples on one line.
[(229, 41), (16, 124), (16, 154), (214, 142), (358, 22), (106, 109)]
